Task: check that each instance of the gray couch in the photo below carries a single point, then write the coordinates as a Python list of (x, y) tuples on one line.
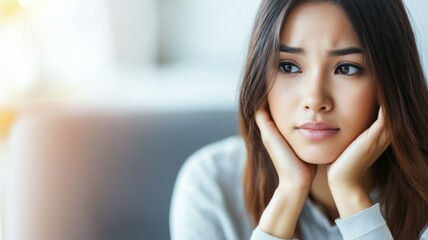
[(103, 174)]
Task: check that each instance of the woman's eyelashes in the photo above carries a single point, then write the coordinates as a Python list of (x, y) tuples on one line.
[(343, 69), (348, 69), (288, 67)]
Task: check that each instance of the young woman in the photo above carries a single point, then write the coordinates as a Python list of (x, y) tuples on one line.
[(334, 131)]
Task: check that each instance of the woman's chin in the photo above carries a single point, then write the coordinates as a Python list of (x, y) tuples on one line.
[(317, 161), (318, 157)]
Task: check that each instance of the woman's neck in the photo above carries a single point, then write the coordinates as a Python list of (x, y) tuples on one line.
[(321, 195)]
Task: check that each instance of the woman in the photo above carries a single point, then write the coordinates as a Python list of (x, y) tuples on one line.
[(334, 132)]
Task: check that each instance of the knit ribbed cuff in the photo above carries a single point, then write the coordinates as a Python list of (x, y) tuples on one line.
[(362, 223), (259, 234)]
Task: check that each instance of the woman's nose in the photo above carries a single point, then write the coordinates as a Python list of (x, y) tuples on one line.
[(317, 95)]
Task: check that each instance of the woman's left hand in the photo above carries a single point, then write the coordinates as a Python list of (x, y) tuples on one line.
[(346, 176)]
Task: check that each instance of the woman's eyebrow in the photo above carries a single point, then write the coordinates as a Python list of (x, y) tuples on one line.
[(334, 53), (345, 51), (288, 49)]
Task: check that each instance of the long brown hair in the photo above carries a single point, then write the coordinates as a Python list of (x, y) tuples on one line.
[(389, 45)]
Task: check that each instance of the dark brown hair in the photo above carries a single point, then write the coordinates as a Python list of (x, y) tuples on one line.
[(390, 48)]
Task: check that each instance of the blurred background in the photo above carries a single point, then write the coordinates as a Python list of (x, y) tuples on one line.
[(169, 68), (156, 54)]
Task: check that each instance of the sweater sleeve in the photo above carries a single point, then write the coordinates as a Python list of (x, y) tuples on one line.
[(259, 234), (367, 224)]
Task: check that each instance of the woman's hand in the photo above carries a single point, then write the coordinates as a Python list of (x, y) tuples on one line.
[(347, 175), (295, 178), (292, 172)]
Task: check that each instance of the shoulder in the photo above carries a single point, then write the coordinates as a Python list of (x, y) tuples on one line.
[(213, 175), (424, 235), (207, 198), (220, 159)]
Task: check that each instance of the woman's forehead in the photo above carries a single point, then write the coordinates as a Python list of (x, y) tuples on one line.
[(320, 24)]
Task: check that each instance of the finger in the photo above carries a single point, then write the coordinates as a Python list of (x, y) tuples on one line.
[(272, 139), (268, 130), (265, 123), (285, 161), (262, 117), (385, 136), (380, 114), (378, 131), (368, 145)]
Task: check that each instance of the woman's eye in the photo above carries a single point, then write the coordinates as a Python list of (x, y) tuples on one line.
[(287, 67), (347, 69)]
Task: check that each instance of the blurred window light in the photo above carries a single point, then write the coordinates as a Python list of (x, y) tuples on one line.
[(27, 3), (51, 44), (8, 8), (19, 66)]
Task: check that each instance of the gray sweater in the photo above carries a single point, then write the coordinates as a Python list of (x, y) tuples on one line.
[(208, 203)]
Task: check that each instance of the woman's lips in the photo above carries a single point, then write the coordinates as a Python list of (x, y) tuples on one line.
[(317, 131)]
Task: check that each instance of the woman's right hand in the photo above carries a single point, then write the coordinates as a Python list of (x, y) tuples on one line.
[(280, 217), (293, 173)]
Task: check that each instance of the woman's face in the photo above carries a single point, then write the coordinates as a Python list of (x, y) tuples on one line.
[(322, 97)]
